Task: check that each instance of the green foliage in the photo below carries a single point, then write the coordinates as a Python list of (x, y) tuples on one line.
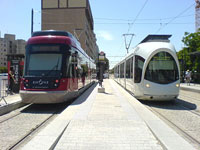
[(192, 44), (186, 56), (3, 70)]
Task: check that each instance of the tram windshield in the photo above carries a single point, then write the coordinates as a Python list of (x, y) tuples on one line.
[(162, 69), (43, 64)]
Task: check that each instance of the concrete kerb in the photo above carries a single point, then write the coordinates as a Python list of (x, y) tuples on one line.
[(190, 89), (10, 107)]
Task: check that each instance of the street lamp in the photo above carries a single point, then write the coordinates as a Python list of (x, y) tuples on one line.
[(32, 21)]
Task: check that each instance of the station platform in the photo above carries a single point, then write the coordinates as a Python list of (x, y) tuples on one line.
[(113, 120), (10, 103), (190, 87)]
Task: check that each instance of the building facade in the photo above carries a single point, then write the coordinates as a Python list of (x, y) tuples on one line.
[(74, 16), (9, 45)]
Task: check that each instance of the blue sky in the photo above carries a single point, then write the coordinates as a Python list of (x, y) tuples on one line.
[(112, 19)]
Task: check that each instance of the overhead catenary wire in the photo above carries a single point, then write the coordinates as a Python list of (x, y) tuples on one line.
[(131, 25), (143, 19), (143, 23), (170, 22)]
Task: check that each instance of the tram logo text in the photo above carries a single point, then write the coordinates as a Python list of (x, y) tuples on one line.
[(40, 82)]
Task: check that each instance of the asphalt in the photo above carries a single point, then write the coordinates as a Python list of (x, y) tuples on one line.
[(110, 120)]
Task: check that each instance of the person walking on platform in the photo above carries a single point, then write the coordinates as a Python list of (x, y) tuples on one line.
[(83, 75), (12, 80), (188, 77)]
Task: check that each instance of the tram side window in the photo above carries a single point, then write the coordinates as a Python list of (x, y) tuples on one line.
[(128, 69), (118, 74), (131, 67), (122, 70), (115, 72), (139, 63), (69, 67)]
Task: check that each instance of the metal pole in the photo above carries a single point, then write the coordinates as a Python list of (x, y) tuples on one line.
[(127, 45), (31, 21)]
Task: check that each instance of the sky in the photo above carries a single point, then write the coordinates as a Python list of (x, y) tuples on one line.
[(112, 19)]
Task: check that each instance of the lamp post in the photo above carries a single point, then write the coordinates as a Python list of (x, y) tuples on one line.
[(32, 21)]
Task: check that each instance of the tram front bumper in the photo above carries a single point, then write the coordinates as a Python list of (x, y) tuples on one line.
[(41, 97)]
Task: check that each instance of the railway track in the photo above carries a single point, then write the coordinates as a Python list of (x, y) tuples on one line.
[(20, 126), (12, 114), (32, 132), (162, 110), (172, 124)]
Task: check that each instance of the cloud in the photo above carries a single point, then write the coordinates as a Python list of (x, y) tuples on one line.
[(105, 35)]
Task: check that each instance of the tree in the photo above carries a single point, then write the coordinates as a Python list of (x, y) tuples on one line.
[(188, 55), (3, 70)]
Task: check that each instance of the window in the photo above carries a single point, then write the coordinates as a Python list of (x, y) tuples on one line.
[(44, 64), (77, 3), (62, 3), (129, 68), (162, 69), (122, 70), (139, 63), (50, 3)]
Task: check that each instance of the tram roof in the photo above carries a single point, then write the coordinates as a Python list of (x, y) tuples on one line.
[(54, 33), (57, 37), (51, 32), (156, 38)]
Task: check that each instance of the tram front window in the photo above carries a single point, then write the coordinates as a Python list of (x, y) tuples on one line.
[(162, 69), (43, 64)]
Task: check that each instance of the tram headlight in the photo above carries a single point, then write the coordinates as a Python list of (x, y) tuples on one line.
[(177, 85), (148, 85)]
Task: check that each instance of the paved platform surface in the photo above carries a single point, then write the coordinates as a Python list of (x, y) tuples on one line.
[(10, 103), (113, 120), (10, 99), (190, 87)]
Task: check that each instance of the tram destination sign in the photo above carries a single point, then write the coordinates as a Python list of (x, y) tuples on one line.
[(101, 56), (45, 48)]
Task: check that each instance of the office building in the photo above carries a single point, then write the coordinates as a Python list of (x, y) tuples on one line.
[(9, 45), (74, 16)]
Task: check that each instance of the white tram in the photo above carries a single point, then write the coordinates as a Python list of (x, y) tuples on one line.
[(151, 70)]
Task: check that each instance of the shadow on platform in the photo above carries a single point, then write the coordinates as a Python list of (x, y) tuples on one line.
[(83, 97), (178, 104)]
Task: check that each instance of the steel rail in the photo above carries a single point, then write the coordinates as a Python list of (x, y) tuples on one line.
[(185, 134)]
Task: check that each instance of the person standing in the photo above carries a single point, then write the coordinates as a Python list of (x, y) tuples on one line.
[(12, 80), (83, 75), (188, 77)]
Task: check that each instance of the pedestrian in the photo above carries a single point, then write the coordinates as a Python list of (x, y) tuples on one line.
[(83, 75), (188, 77), (12, 80)]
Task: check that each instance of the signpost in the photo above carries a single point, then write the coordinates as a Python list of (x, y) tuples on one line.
[(101, 66)]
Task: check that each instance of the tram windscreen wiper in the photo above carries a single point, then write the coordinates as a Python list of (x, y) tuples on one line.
[(54, 68)]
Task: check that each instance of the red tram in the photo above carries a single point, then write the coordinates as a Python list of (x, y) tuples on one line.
[(56, 68)]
